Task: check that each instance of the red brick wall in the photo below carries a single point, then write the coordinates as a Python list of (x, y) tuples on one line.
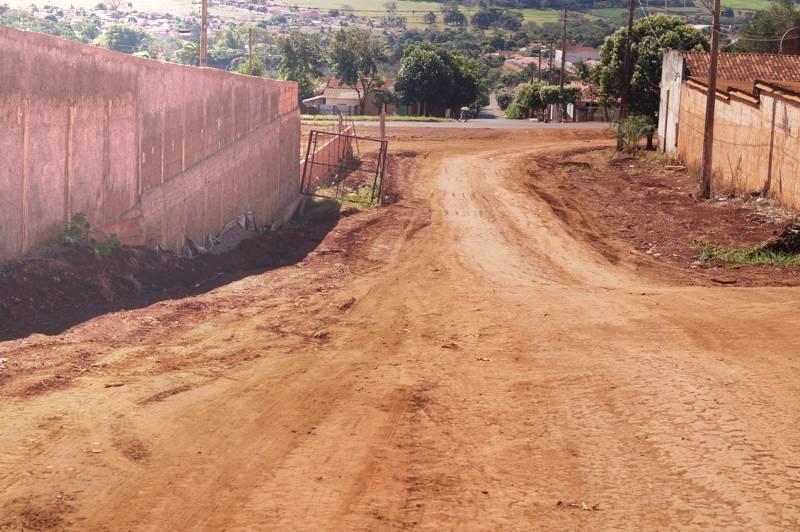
[(155, 152)]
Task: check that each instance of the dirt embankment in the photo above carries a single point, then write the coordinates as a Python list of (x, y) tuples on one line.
[(645, 211), (64, 286)]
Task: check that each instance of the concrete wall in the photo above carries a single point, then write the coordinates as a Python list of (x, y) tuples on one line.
[(756, 143), (154, 152), (669, 107)]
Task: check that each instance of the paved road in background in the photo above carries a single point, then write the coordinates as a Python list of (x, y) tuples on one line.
[(492, 123)]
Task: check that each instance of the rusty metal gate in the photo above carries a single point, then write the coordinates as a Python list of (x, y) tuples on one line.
[(334, 170)]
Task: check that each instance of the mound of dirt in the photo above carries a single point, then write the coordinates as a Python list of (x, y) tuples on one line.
[(787, 240), (48, 294)]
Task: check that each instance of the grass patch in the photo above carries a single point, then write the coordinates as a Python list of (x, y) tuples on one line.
[(744, 257), (327, 119)]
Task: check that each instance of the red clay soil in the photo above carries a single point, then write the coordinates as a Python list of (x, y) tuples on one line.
[(64, 286), (645, 211), (47, 294), (461, 360)]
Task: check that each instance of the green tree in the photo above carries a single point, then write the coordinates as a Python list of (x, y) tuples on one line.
[(486, 18), (300, 61), (258, 68), (511, 21), (453, 16), (124, 38), (188, 54), (649, 40), (432, 76), (430, 18), (763, 33), (356, 56)]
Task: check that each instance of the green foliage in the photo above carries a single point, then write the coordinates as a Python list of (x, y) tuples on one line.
[(763, 33), (124, 38), (301, 60), (536, 96), (650, 39), (709, 252), (356, 55), (188, 54), (452, 16), (438, 78), (633, 129), (430, 17), (504, 99), (78, 234), (258, 68)]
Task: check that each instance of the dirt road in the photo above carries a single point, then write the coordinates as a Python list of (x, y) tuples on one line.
[(457, 361)]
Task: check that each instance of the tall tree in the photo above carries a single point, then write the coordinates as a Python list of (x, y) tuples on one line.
[(300, 61), (764, 32), (356, 56), (432, 76), (124, 38), (649, 39)]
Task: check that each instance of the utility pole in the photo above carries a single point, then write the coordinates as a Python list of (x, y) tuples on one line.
[(626, 72), (711, 100), (562, 103), (540, 63), (250, 50), (550, 68), (204, 34)]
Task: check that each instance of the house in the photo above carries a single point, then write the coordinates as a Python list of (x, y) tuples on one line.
[(577, 54), (518, 63), (756, 120), (336, 97)]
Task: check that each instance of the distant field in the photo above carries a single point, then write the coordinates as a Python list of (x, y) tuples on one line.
[(751, 5), (176, 7), (413, 11)]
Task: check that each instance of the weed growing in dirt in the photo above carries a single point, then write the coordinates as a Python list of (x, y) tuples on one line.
[(709, 252), (632, 130), (78, 234)]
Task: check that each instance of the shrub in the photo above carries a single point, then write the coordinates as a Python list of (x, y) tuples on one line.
[(633, 129)]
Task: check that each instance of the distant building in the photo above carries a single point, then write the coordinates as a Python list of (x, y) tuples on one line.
[(336, 97), (577, 54)]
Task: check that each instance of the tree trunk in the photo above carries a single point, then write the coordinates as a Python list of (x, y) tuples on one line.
[(650, 145)]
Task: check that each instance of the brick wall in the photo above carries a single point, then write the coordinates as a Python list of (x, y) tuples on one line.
[(752, 152), (154, 152)]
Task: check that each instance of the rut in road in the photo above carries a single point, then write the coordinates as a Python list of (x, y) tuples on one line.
[(493, 373)]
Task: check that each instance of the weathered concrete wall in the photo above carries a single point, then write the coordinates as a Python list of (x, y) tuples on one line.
[(670, 104), (154, 152), (752, 152)]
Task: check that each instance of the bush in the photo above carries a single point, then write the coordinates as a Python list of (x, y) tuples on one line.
[(504, 99), (633, 129), (78, 235)]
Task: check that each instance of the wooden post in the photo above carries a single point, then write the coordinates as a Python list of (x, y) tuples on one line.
[(561, 101), (383, 125), (250, 50), (711, 100), (204, 34), (540, 63), (626, 72), (550, 68)]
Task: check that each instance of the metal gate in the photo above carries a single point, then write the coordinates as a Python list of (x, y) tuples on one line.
[(333, 170)]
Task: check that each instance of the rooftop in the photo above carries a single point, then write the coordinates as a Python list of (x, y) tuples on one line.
[(745, 67)]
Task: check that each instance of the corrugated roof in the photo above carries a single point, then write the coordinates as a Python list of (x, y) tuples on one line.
[(342, 94), (745, 67)]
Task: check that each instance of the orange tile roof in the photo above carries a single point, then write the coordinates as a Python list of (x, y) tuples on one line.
[(745, 67)]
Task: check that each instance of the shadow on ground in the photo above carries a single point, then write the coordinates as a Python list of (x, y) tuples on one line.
[(50, 294)]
